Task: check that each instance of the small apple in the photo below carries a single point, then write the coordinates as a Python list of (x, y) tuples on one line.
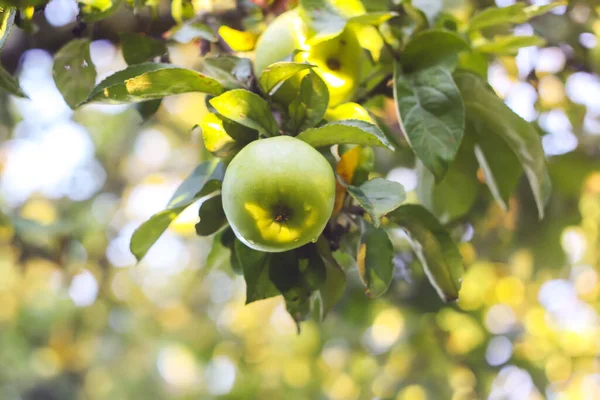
[(278, 194), (336, 58)]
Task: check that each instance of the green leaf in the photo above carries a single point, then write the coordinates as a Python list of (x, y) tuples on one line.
[(247, 109), (432, 48), (431, 114), (373, 18), (148, 108), (378, 197), (256, 266), (228, 240), (231, 71), (150, 81), (416, 14), (509, 45), (296, 279), (328, 18), (454, 196), (10, 83), (334, 284), (138, 48), (74, 72), (348, 131), (515, 14), (219, 255), (205, 179), (212, 217), (7, 19), (189, 31), (434, 247), (474, 61), (488, 114), (375, 260), (500, 166), (277, 73), (308, 109)]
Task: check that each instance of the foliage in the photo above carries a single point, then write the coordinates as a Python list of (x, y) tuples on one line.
[(435, 100), (423, 101)]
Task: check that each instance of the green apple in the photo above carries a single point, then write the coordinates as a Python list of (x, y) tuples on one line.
[(336, 58), (278, 194)]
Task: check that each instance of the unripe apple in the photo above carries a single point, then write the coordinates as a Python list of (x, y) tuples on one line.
[(278, 194), (337, 59)]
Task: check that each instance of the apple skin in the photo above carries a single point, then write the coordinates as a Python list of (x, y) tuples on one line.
[(336, 58), (278, 194)]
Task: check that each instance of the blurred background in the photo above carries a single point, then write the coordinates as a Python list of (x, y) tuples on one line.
[(80, 320)]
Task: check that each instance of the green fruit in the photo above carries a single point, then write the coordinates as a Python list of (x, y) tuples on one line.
[(336, 58), (278, 194)]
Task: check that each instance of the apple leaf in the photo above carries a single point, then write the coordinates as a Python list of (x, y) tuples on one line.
[(138, 48), (375, 260), (474, 61), (205, 179), (509, 45), (488, 115), (297, 274), (308, 109), (238, 132), (434, 247), (7, 19), (419, 18), (500, 166), (515, 14), (189, 31), (454, 195), (10, 83), (348, 110), (373, 18), (277, 73), (255, 265), (231, 71), (334, 285), (212, 216), (431, 114), (216, 140), (324, 20), (148, 108), (378, 197), (74, 72), (219, 255), (150, 81), (433, 48), (328, 18), (237, 40), (345, 169), (247, 109), (229, 240), (348, 131)]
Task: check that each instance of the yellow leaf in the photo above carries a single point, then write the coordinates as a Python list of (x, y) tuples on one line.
[(360, 260), (237, 40), (369, 38), (348, 111), (345, 169), (216, 140)]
